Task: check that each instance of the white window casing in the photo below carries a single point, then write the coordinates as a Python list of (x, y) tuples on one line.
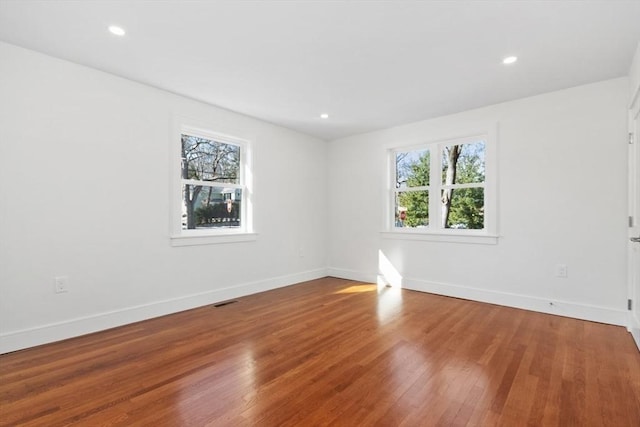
[(435, 230), (179, 236)]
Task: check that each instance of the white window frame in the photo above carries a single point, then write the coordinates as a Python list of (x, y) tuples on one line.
[(245, 232), (435, 231)]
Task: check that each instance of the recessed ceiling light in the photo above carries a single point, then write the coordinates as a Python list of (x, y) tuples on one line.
[(324, 116), (509, 60), (118, 31)]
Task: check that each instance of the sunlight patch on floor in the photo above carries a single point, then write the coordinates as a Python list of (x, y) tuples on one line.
[(389, 304), (355, 289)]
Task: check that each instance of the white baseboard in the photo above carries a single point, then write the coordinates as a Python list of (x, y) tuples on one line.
[(526, 302), (343, 273), (634, 328), (17, 340)]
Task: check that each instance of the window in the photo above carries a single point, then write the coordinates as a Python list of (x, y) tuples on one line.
[(213, 192), (443, 187)]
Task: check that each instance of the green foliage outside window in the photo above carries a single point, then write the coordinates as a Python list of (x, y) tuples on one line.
[(461, 207)]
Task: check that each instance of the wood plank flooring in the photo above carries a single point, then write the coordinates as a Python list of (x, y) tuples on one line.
[(332, 352)]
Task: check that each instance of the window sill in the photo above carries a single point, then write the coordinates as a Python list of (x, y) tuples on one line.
[(212, 239), (479, 238)]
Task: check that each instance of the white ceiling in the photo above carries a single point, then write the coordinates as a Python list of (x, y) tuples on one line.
[(369, 64)]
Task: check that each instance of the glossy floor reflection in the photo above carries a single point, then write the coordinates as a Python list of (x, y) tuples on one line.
[(332, 352)]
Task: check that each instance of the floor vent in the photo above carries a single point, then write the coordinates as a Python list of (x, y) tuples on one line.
[(222, 304)]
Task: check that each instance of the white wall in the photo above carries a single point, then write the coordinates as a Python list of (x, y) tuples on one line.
[(84, 192), (562, 199)]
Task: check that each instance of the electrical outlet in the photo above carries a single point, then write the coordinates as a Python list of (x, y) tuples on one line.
[(562, 271), (61, 284)]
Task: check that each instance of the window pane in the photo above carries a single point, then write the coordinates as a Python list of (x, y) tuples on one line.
[(210, 207), (463, 163), (463, 208), (209, 160), (412, 168), (412, 209)]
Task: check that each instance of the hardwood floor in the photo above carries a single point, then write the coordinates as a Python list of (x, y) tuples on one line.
[(332, 352)]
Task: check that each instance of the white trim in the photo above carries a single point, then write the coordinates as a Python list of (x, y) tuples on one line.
[(633, 270), (198, 128), (462, 186), (435, 146), (416, 188), (452, 236), (17, 340), (344, 273), (551, 306), (634, 328), (219, 236), (635, 97), (420, 187), (203, 132), (217, 184)]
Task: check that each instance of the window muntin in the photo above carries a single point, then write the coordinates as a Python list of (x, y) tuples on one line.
[(455, 171), (212, 183)]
